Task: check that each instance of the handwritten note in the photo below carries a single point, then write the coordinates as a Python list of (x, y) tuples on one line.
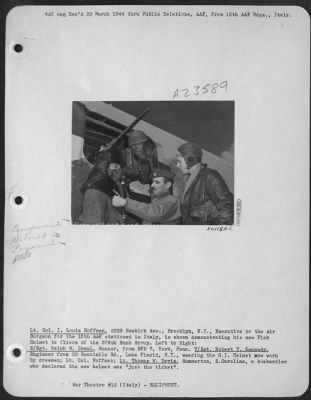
[(197, 90), (26, 239)]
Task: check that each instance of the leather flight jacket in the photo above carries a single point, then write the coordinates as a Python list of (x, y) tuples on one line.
[(208, 201)]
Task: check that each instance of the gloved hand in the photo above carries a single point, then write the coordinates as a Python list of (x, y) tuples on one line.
[(118, 201)]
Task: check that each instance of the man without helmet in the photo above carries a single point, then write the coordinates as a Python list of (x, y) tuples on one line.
[(164, 207)]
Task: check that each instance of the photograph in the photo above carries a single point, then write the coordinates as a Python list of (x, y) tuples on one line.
[(118, 116), (156, 162)]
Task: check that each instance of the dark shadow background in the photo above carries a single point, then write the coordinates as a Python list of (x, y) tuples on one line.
[(211, 123)]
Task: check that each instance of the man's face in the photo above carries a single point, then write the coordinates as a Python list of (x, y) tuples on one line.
[(138, 151), (160, 187), (181, 163), (115, 171)]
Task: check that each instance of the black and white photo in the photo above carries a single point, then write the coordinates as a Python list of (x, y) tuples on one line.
[(169, 162)]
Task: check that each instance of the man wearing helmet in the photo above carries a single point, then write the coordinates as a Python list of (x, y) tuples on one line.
[(140, 158), (206, 198)]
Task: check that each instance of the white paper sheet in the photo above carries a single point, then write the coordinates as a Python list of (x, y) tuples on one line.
[(215, 298)]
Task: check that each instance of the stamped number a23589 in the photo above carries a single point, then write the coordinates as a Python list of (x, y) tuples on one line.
[(200, 90)]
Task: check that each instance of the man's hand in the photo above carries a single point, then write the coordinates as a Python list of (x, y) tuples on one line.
[(118, 201)]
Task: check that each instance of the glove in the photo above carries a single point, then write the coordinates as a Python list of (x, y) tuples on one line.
[(118, 201)]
